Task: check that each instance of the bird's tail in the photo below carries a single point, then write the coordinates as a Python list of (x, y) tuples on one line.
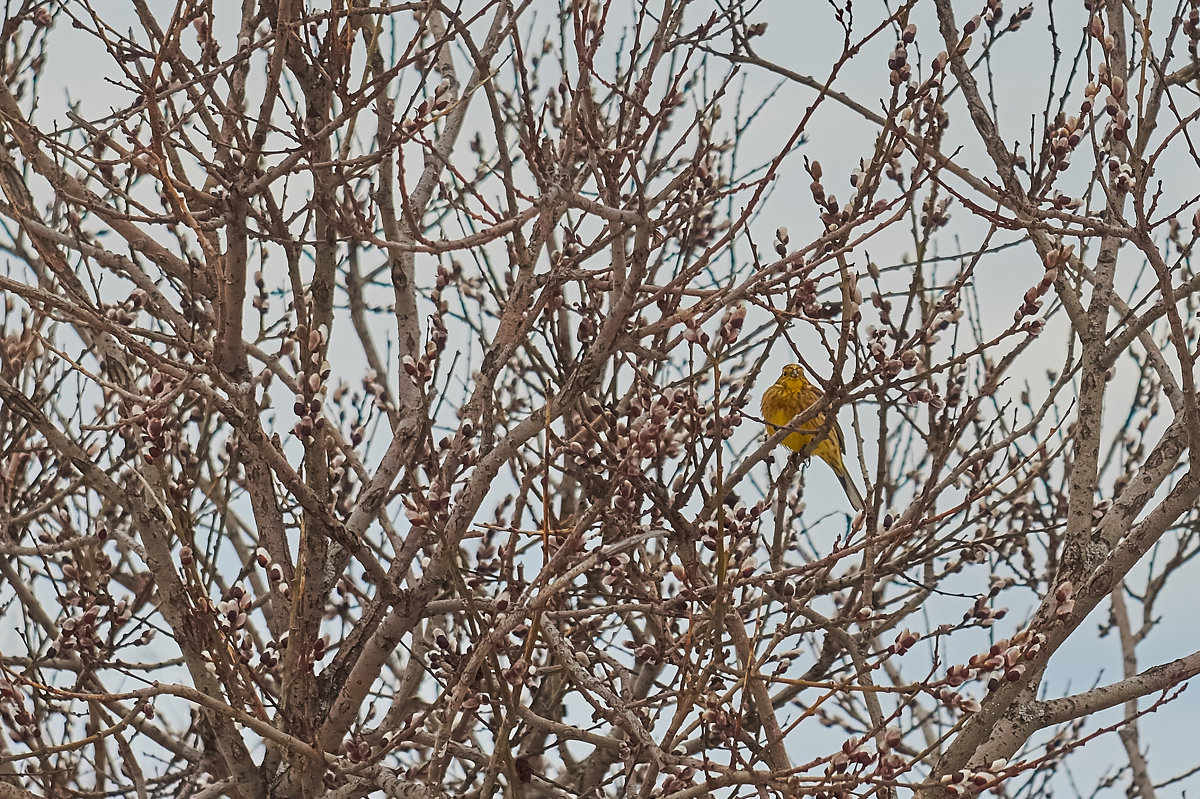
[(852, 492)]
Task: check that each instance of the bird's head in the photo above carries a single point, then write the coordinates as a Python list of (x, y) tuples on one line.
[(793, 371)]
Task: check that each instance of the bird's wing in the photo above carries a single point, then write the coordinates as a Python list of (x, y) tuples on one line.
[(839, 436)]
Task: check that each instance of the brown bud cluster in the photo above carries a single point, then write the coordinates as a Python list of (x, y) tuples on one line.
[(275, 574), (1121, 175), (522, 672), (833, 216), (372, 387), (356, 749), (1063, 137), (1191, 29), (906, 639), (982, 613), (1119, 121), (722, 425), (676, 778), (1096, 30), (647, 653), (427, 509), (739, 529), (159, 434), (269, 657), (232, 610), (1006, 661), (310, 381), (583, 456), (80, 633), (692, 332), (935, 214), (804, 298), (1033, 296), (731, 324), (652, 431), (125, 313), (926, 396), (260, 296), (884, 306), (22, 725), (447, 275), (964, 781), (901, 71), (855, 752), (720, 724), (613, 569), (427, 110)]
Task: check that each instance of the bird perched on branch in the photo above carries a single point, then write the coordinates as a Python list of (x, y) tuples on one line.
[(792, 394)]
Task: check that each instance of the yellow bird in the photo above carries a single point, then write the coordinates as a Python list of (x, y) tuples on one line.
[(790, 395)]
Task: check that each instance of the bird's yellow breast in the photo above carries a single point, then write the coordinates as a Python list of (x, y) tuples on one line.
[(789, 396)]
